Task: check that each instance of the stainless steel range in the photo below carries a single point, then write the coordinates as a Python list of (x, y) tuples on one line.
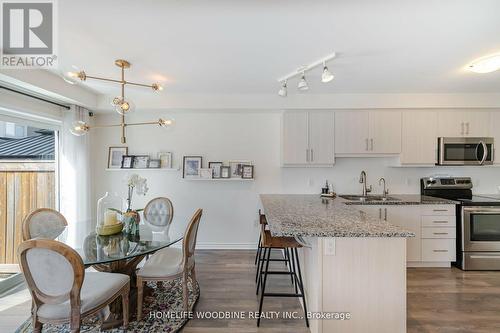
[(478, 221)]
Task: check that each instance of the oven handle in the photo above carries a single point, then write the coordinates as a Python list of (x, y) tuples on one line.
[(484, 257)]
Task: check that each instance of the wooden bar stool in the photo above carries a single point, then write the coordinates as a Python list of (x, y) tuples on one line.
[(259, 258), (268, 243)]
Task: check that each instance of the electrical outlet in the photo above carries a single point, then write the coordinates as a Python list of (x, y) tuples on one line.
[(329, 247)]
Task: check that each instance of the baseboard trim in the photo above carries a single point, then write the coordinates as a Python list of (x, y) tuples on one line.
[(225, 246)]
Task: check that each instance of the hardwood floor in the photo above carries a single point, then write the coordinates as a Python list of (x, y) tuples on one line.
[(439, 299)]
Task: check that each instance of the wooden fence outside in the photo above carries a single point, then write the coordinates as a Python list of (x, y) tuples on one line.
[(20, 193)]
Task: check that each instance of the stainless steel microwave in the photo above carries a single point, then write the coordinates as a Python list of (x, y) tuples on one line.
[(465, 151)]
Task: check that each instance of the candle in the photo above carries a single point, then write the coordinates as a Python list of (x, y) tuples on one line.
[(110, 217)]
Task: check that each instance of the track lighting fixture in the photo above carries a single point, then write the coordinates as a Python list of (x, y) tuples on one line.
[(283, 90), (302, 85)]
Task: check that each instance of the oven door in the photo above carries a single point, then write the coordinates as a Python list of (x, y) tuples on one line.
[(465, 151), (481, 228)]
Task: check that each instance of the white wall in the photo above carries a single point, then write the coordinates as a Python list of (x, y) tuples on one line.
[(230, 208)]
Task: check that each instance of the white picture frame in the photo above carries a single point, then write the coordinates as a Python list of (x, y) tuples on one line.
[(165, 158)]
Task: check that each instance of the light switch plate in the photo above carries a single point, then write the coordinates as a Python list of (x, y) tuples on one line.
[(329, 247)]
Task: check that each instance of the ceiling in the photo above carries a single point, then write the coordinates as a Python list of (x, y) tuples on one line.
[(242, 47)]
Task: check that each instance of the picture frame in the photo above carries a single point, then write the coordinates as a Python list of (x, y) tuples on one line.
[(247, 172), (115, 156), (191, 166), (154, 164), (140, 162), (127, 161), (206, 173), (165, 159), (237, 167), (216, 168), (225, 171)]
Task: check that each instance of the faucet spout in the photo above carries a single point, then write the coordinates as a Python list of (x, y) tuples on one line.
[(362, 180)]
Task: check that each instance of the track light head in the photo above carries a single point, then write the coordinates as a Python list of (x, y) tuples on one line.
[(302, 85), (283, 90), (326, 76)]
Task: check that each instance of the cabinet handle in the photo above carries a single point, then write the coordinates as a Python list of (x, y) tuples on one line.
[(462, 124), (439, 221), (366, 144), (440, 210), (312, 155), (380, 213), (467, 128), (440, 250), (385, 214), (307, 155), (371, 144), (440, 233)]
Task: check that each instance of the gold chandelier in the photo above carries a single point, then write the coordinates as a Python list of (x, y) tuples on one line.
[(120, 104)]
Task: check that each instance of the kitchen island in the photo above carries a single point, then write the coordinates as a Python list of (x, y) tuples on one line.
[(354, 263)]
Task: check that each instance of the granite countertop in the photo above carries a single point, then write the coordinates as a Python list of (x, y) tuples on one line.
[(406, 199), (310, 215)]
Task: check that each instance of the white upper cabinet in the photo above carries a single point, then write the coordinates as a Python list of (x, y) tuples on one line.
[(385, 132), (463, 123), (295, 146), (307, 138), (321, 138), (351, 132), (419, 142), (367, 132)]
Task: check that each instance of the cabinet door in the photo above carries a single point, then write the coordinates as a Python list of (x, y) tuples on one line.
[(408, 218), (321, 138), (294, 138), (385, 132), (495, 133), (451, 123), (419, 137), (477, 123), (351, 132)]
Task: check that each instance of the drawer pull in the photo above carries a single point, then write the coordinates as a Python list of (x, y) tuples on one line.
[(440, 233), (440, 210), (440, 250), (439, 221)]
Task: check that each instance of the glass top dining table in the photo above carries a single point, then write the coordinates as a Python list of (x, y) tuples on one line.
[(95, 249)]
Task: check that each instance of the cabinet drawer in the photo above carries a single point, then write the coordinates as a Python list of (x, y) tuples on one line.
[(438, 250), (437, 210), (439, 233), (438, 221)]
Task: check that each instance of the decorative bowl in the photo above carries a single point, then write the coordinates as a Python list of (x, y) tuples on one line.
[(107, 230)]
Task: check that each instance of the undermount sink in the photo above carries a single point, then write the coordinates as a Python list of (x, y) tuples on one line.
[(368, 198)]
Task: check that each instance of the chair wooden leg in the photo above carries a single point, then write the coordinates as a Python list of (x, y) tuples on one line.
[(185, 294), (193, 279), (37, 326), (125, 302), (75, 320), (139, 297)]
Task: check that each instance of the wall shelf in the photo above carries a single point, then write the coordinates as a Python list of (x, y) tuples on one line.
[(143, 169), (219, 179)]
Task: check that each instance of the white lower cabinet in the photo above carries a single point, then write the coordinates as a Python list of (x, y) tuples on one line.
[(433, 225)]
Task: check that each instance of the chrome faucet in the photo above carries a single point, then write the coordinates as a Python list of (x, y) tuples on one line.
[(362, 180), (386, 190)]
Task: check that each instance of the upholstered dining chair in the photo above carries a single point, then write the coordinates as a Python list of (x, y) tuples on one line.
[(43, 223), (171, 263), (159, 212), (61, 290)]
